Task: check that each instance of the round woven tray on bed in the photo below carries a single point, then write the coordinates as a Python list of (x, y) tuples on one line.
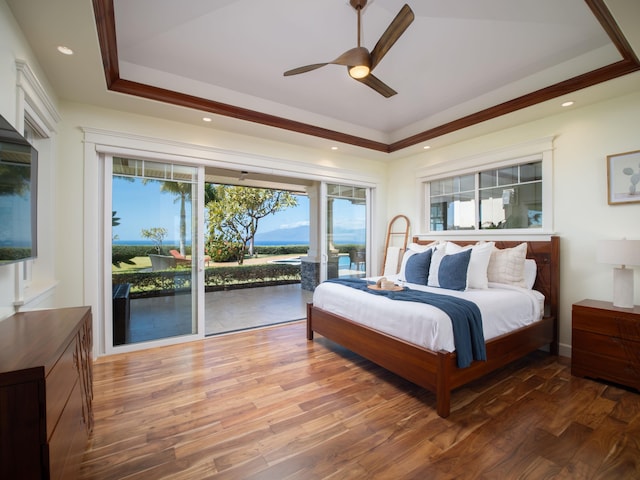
[(395, 288)]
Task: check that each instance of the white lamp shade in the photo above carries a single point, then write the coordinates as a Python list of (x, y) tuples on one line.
[(619, 252)]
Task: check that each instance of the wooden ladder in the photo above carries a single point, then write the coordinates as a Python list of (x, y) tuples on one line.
[(394, 231)]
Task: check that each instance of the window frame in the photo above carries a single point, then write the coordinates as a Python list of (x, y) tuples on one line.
[(538, 150)]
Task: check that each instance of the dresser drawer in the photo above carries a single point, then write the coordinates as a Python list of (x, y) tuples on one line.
[(612, 323), (66, 445), (59, 384)]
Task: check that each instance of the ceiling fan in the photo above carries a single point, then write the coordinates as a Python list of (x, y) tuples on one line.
[(359, 61)]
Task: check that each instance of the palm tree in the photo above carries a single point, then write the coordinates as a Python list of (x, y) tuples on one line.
[(183, 193)]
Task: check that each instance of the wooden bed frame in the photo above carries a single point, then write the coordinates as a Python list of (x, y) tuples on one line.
[(437, 370)]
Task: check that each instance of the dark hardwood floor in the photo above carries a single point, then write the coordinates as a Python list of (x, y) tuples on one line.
[(267, 404)]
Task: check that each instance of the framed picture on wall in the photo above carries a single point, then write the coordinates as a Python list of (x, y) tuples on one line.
[(623, 177)]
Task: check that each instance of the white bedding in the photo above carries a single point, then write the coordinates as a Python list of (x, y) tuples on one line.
[(504, 308)]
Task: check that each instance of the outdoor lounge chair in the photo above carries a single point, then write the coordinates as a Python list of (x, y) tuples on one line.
[(162, 262), (357, 258), (182, 260)]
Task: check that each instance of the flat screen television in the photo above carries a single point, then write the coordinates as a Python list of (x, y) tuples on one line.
[(18, 196)]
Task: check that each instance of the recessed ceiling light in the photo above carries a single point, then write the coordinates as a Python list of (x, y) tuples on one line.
[(206, 119), (427, 147), (65, 50), (567, 104), (334, 148)]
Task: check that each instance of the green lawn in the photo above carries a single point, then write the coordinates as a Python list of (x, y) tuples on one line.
[(140, 263), (144, 262)]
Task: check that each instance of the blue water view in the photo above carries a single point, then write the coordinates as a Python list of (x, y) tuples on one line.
[(273, 243), (138, 243)]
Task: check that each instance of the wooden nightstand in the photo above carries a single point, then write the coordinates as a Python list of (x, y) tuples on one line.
[(606, 342)]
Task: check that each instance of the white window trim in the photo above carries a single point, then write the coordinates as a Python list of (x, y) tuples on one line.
[(99, 143), (535, 150), (35, 107)]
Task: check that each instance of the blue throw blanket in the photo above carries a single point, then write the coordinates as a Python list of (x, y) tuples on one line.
[(466, 318)]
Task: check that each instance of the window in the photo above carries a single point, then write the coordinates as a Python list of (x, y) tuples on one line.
[(453, 203), (153, 207), (508, 197)]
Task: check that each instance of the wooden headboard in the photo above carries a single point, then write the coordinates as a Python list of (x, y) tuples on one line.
[(546, 253)]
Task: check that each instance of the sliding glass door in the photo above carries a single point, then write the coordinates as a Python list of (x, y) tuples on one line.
[(154, 250), (345, 231)]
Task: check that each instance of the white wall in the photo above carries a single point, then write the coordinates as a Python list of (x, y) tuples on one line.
[(36, 293), (582, 216)]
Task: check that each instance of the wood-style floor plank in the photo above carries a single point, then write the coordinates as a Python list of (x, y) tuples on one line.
[(268, 404)]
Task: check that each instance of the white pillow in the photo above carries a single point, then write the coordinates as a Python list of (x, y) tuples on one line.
[(416, 247), (507, 265), (412, 249), (478, 264), (530, 272)]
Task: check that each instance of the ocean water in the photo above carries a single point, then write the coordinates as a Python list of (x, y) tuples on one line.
[(276, 243), (136, 243), (271, 243)]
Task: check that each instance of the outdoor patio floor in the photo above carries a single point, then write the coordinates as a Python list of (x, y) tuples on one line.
[(225, 311), (244, 308)]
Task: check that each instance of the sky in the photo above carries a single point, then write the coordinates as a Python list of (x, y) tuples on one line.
[(145, 206), (289, 218)]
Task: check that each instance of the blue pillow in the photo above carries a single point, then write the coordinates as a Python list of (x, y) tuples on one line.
[(452, 273), (417, 267)]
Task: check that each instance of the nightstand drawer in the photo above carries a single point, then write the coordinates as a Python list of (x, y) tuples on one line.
[(609, 346), (613, 324), (606, 342), (589, 364)]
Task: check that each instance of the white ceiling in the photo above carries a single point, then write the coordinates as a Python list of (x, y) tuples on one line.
[(456, 59)]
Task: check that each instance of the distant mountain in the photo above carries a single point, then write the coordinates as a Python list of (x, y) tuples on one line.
[(348, 235), (300, 235), (296, 235)]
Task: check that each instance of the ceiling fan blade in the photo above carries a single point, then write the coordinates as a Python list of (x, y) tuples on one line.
[(391, 35), (354, 56), (306, 68), (378, 85)]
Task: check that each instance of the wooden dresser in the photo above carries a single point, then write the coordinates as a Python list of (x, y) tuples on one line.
[(606, 342), (45, 393)]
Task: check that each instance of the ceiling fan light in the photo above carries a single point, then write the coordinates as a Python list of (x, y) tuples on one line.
[(359, 71)]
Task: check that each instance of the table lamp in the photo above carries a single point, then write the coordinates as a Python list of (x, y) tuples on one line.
[(624, 253)]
